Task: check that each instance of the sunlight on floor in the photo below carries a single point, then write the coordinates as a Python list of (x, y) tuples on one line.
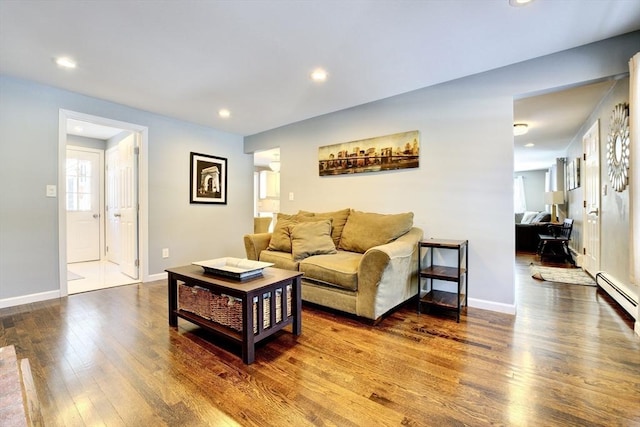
[(95, 275)]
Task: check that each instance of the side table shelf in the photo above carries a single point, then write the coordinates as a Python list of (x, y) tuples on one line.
[(428, 272)]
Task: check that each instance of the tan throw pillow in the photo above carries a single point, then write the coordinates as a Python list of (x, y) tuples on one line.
[(365, 230), (338, 220), (280, 237), (311, 238)]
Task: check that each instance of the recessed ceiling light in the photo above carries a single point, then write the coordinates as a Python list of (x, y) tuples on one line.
[(224, 113), (529, 145), (518, 3), (520, 129), (319, 75), (66, 62)]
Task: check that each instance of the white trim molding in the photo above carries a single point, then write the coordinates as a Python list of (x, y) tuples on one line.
[(156, 277), (492, 306), (28, 299)]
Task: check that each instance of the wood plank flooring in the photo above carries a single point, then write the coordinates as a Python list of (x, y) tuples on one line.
[(570, 357)]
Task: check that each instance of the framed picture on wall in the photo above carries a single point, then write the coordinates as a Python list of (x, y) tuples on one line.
[(572, 178), (208, 179)]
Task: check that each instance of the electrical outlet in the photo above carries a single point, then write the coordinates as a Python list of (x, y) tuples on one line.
[(291, 195), (165, 253)]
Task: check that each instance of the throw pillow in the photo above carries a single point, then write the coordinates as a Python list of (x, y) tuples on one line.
[(338, 221), (528, 217), (541, 217), (311, 238), (281, 235), (365, 230)]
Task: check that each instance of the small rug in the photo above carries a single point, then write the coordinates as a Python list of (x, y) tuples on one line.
[(572, 276), (73, 276)]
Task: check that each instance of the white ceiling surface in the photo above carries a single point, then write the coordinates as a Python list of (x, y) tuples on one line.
[(91, 130), (554, 119)]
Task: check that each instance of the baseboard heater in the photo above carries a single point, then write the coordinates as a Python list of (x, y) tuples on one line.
[(619, 292)]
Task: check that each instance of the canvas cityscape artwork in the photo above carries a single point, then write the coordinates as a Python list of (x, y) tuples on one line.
[(390, 152)]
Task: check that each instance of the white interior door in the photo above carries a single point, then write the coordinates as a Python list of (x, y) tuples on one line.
[(83, 205), (127, 181), (113, 205), (591, 218)]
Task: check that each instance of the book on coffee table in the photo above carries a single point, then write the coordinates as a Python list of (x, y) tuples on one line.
[(235, 268)]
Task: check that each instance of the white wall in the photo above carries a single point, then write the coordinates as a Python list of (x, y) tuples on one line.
[(464, 186), (29, 114), (614, 206)]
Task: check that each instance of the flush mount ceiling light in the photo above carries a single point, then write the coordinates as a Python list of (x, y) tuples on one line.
[(520, 129), (529, 145), (224, 113), (319, 75), (65, 62), (519, 3)]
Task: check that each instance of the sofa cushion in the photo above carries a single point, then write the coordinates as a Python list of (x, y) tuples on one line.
[(311, 238), (338, 218), (365, 230), (282, 260), (281, 235), (339, 270)]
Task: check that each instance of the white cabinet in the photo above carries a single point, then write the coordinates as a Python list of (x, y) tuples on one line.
[(269, 185)]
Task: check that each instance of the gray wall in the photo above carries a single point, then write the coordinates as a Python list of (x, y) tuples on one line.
[(614, 206), (464, 186), (29, 115)]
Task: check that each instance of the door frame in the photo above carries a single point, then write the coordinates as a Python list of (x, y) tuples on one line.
[(143, 194), (101, 194)]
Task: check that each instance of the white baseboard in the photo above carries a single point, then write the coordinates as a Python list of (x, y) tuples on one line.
[(28, 299), (155, 277), (492, 306)]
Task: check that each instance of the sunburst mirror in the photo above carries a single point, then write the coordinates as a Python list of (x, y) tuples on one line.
[(618, 147)]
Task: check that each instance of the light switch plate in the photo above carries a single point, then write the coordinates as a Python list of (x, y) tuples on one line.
[(51, 191)]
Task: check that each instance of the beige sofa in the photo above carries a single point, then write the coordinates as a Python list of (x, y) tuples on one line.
[(356, 262)]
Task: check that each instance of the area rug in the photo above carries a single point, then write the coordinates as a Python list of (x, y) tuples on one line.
[(73, 276), (573, 276)]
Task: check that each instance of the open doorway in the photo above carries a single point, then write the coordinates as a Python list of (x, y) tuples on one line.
[(548, 138), (266, 180), (99, 203)]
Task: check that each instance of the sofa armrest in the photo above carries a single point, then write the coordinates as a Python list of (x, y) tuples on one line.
[(387, 275), (256, 243)]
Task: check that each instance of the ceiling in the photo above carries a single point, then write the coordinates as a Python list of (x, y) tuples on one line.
[(189, 59), (553, 120)]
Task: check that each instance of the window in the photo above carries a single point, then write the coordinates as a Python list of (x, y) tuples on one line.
[(79, 176), (519, 201)]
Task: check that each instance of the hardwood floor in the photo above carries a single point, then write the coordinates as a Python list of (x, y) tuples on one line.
[(569, 357)]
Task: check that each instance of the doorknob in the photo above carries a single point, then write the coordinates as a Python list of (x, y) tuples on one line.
[(96, 216), (595, 211), (117, 215)]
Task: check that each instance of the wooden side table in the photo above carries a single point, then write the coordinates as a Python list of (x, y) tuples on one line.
[(428, 272)]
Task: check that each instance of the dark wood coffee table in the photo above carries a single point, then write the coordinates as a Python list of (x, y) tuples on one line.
[(272, 280)]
